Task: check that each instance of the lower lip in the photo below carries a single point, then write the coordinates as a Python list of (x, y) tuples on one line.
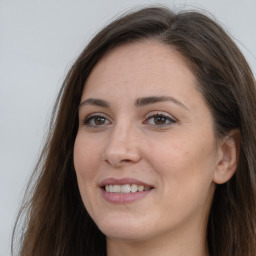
[(122, 198)]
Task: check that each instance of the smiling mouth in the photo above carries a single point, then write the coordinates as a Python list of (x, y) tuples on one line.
[(126, 188)]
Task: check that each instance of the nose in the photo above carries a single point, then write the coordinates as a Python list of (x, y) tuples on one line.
[(122, 147)]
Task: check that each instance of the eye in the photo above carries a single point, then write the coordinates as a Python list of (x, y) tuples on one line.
[(160, 120), (96, 120)]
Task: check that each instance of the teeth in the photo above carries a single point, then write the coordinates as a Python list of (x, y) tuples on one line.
[(140, 188), (134, 188), (124, 188), (127, 188), (116, 188)]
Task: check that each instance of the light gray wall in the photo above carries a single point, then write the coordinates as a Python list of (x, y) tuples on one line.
[(38, 42)]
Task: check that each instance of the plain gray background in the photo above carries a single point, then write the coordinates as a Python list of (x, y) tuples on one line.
[(39, 40)]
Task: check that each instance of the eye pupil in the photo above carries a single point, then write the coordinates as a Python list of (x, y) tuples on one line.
[(159, 120), (99, 120)]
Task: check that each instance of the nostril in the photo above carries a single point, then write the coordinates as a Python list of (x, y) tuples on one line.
[(118, 163), (117, 158), (126, 161)]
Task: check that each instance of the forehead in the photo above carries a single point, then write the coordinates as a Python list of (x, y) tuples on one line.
[(146, 64), (145, 69)]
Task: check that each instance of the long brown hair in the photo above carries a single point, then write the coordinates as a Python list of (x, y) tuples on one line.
[(55, 221)]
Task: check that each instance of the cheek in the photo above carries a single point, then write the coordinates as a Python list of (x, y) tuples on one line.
[(85, 162), (86, 159), (184, 163)]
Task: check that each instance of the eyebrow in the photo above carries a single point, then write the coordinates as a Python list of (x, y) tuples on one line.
[(96, 102), (140, 102), (155, 99)]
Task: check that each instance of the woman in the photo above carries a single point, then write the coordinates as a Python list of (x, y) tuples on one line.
[(152, 145)]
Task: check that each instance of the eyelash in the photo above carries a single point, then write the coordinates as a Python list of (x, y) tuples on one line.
[(92, 117), (166, 118)]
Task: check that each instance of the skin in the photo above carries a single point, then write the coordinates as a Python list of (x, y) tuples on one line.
[(177, 154)]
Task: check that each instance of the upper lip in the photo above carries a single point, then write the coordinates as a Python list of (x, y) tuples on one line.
[(122, 181)]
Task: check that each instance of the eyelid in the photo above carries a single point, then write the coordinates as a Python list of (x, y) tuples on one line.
[(95, 114), (160, 113), (170, 120)]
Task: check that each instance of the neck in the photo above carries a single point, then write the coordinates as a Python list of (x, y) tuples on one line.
[(178, 245)]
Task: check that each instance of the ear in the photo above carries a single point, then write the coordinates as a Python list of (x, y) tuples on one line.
[(228, 153)]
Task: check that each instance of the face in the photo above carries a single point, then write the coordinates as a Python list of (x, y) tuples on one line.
[(145, 151)]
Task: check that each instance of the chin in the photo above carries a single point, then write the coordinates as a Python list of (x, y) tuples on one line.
[(123, 229)]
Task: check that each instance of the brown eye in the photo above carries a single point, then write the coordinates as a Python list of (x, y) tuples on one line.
[(95, 121), (99, 120), (160, 120)]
